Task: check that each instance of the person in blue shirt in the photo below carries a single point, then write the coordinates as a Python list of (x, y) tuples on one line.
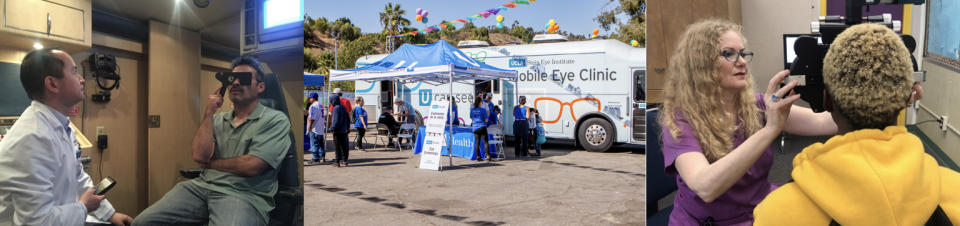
[(479, 117), (489, 106), (494, 118), (360, 116), (456, 116), (521, 128)]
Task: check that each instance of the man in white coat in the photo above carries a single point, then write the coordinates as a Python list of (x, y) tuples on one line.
[(41, 180)]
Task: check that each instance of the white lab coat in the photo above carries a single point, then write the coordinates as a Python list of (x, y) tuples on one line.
[(41, 179)]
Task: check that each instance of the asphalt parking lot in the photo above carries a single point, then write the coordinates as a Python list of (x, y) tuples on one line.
[(564, 186)]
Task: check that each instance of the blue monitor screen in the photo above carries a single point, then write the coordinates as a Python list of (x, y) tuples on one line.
[(280, 12)]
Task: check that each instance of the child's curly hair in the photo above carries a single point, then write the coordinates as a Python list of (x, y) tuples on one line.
[(868, 72)]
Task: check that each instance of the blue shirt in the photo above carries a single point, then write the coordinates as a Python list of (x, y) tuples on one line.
[(520, 113), (360, 114), (493, 118), (478, 115), (455, 117)]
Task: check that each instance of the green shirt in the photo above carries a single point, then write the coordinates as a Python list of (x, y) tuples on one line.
[(265, 135)]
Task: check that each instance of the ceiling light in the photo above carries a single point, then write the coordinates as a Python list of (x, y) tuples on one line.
[(37, 46)]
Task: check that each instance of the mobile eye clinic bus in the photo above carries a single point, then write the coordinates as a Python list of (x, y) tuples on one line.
[(590, 92)]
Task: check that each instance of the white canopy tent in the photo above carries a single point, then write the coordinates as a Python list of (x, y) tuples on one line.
[(436, 64)]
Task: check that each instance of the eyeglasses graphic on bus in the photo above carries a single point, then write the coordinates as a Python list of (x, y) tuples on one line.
[(477, 56), (545, 106)]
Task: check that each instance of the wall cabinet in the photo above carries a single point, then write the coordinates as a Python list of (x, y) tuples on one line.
[(66, 23), (666, 21)]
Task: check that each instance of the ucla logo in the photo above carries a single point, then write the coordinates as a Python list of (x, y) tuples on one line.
[(426, 97), (410, 69), (518, 62), (429, 142), (435, 106)]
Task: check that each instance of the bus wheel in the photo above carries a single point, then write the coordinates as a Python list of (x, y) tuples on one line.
[(596, 135)]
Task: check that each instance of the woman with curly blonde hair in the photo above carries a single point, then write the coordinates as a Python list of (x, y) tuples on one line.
[(717, 131)]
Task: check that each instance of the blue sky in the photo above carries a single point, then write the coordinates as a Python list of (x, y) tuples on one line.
[(572, 16)]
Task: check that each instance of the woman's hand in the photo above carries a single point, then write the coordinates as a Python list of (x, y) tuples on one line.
[(779, 110)]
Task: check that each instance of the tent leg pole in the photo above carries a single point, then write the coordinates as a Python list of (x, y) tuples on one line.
[(450, 144)]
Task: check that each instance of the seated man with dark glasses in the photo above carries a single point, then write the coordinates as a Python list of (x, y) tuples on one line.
[(240, 150)]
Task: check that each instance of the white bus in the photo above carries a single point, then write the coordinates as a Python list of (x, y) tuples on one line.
[(586, 91)]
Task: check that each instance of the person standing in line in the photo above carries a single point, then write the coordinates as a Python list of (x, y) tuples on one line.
[(315, 128), (479, 120), (343, 101), (534, 120), (360, 116), (521, 131), (489, 106), (340, 127)]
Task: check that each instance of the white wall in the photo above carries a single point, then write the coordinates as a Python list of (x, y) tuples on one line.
[(764, 23), (940, 95)]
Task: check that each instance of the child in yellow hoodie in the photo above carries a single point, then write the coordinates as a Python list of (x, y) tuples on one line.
[(874, 173)]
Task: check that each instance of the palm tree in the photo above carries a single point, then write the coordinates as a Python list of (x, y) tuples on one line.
[(392, 19)]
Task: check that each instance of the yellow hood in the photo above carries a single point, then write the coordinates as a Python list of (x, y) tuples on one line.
[(882, 174)]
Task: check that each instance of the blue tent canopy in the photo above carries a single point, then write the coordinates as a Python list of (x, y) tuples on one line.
[(312, 79), (436, 63)]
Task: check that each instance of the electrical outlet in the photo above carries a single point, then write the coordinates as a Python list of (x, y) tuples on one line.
[(943, 123), (99, 130)]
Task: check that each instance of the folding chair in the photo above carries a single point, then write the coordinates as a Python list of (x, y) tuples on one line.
[(497, 131), (406, 131), (383, 132)]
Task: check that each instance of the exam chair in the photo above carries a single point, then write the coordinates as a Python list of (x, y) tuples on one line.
[(659, 185), (289, 198)]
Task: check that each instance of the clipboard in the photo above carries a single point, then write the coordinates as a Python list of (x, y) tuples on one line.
[(84, 143)]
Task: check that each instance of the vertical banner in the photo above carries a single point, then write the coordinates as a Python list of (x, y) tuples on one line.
[(434, 138)]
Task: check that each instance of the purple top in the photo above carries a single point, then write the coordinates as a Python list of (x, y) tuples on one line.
[(733, 207)]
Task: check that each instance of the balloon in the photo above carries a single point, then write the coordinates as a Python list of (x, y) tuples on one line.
[(419, 11), (444, 26), (546, 26), (425, 13), (594, 36), (634, 42), (499, 18), (424, 20), (595, 31), (552, 22), (419, 17), (499, 24)]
